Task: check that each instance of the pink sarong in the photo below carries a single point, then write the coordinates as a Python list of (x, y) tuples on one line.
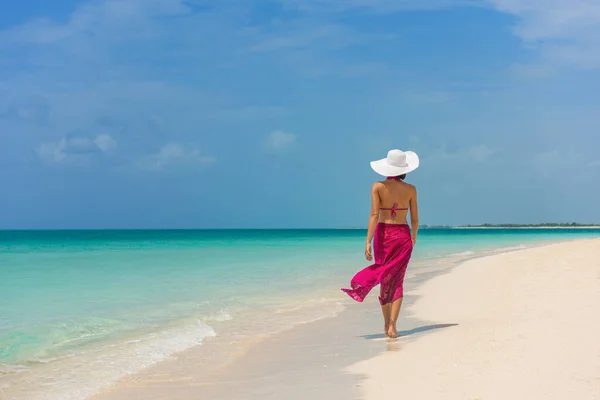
[(392, 248)]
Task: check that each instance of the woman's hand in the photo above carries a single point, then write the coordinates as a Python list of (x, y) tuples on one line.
[(368, 252), (414, 240)]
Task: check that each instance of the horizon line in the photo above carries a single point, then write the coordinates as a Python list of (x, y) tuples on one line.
[(424, 226)]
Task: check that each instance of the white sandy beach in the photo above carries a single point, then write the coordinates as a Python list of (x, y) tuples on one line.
[(528, 327), (517, 325)]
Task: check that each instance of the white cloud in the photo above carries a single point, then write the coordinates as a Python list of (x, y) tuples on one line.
[(278, 141), (566, 32), (103, 18), (79, 151), (174, 154), (105, 142), (52, 152), (563, 32), (74, 149)]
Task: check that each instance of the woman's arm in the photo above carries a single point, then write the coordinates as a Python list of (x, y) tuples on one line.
[(373, 219), (414, 214)]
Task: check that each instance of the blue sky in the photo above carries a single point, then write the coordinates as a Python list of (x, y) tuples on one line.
[(247, 113)]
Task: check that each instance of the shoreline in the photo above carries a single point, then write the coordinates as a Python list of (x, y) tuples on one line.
[(183, 375), (303, 346)]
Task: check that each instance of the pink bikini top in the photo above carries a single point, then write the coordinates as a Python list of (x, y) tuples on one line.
[(395, 205)]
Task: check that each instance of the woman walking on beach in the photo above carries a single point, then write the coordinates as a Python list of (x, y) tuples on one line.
[(392, 238)]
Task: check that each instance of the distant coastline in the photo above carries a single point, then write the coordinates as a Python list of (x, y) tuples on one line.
[(528, 227), (571, 225)]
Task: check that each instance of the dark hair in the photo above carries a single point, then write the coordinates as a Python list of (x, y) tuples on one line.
[(401, 177)]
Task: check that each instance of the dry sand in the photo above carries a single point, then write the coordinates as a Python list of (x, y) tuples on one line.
[(519, 325), (528, 328)]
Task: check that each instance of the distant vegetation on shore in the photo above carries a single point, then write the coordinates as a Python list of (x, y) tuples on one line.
[(543, 225)]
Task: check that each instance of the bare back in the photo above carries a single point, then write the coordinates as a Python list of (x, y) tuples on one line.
[(392, 200)]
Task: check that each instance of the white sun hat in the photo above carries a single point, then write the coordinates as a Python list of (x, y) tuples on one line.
[(396, 163)]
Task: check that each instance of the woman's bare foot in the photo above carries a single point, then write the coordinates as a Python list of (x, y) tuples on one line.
[(392, 333), (386, 329)]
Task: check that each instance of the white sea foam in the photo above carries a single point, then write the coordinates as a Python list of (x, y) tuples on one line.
[(464, 253), (510, 248), (497, 250), (86, 373), (99, 366), (221, 316)]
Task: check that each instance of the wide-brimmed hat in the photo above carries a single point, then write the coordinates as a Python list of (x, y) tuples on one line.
[(396, 163)]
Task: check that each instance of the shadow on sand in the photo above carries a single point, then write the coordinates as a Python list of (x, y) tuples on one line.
[(413, 331)]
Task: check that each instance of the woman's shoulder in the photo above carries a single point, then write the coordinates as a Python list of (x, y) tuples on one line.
[(377, 185), (411, 188)]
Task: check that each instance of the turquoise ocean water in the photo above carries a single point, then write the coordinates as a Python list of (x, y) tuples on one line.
[(81, 309)]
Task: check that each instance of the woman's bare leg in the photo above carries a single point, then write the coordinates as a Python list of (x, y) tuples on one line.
[(387, 316), (394, 313)]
